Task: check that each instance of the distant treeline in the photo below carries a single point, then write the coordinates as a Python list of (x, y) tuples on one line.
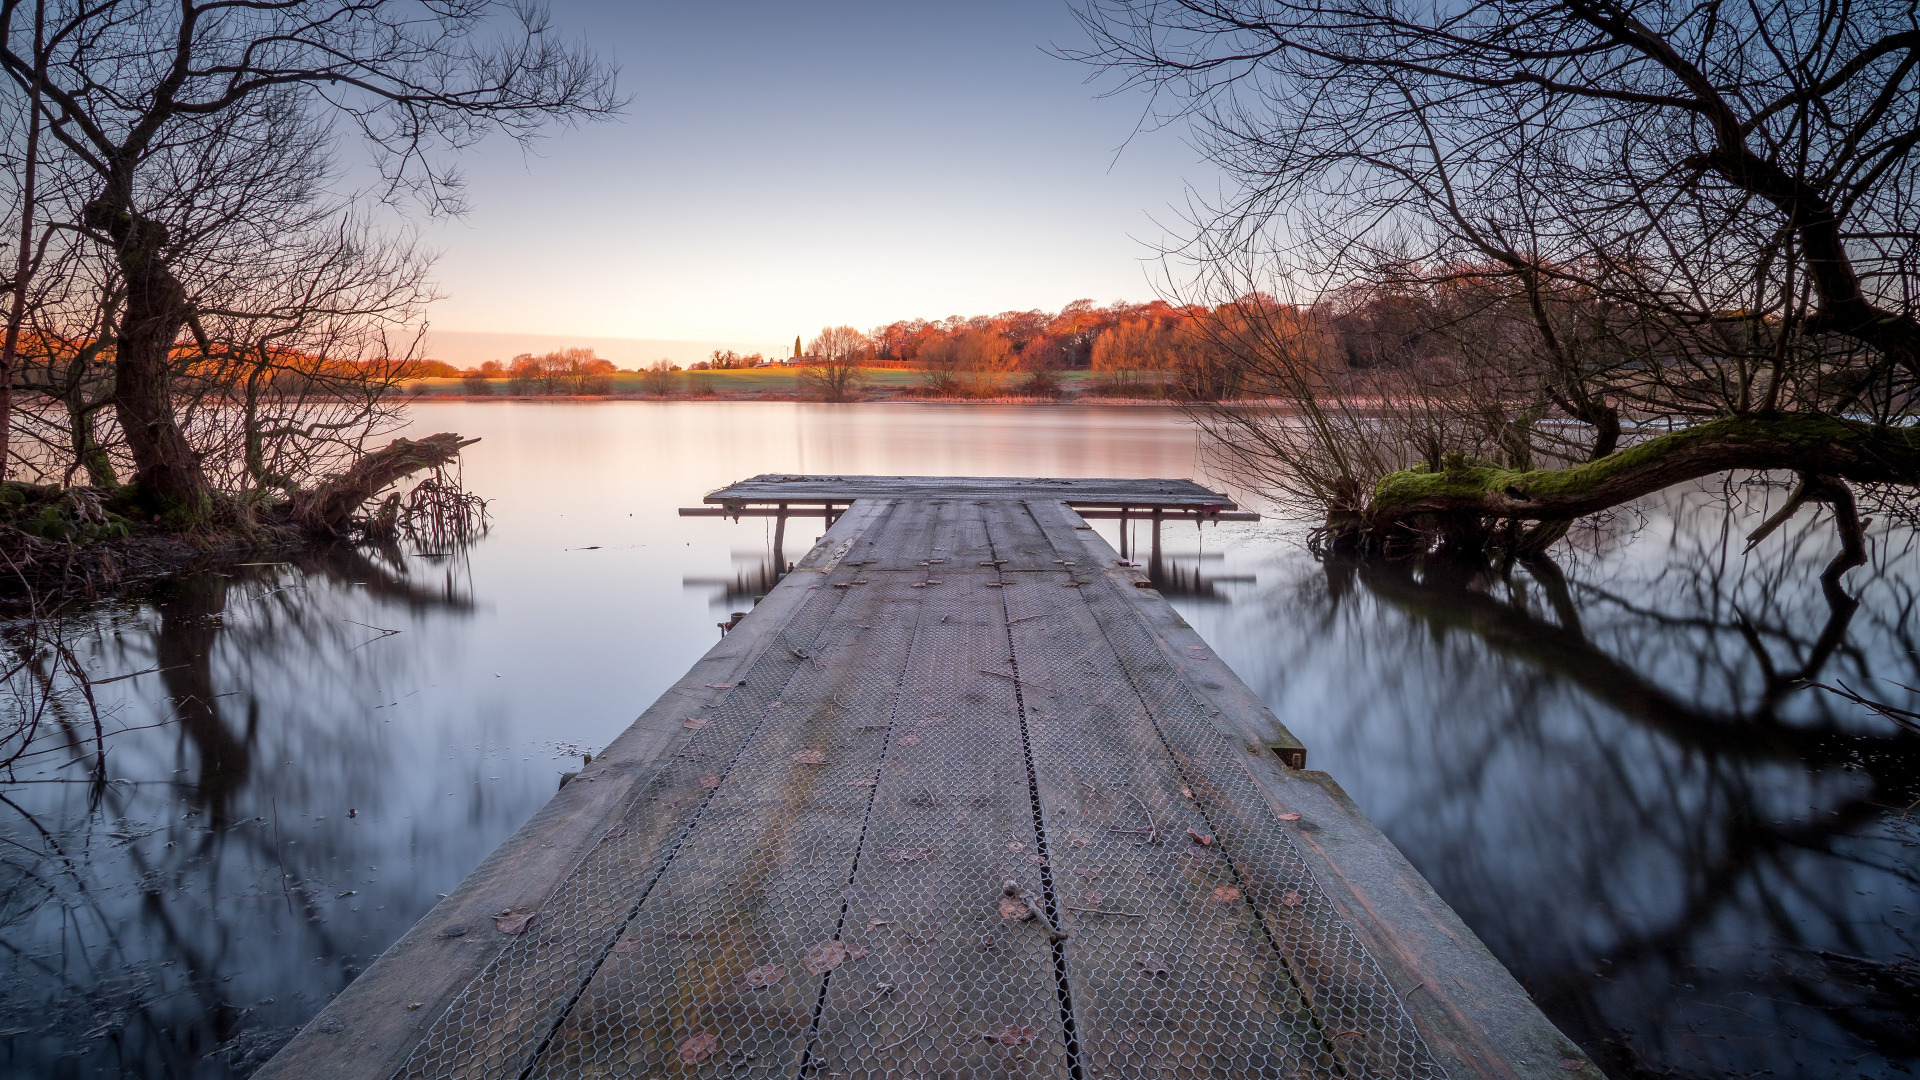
[(565, 371), (1149, 350)]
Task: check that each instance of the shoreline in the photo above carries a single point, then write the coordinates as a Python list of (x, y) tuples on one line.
[(1066, 399)]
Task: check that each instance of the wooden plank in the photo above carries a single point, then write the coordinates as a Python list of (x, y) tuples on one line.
[(1088, 491), (1367, 1031), (372, 1026), (499, 1021), (759, 511), (951, 691), (951, 987), (759, 882), (1476, 1019), (1171, 971)]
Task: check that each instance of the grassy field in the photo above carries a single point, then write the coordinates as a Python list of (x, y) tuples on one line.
[(782, 382)]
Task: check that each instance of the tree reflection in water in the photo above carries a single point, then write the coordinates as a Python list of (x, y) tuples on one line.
[(157, 907), (1607, 765), (1611, 768)]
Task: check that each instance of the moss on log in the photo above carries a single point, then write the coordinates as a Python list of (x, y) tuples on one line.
[(1823, 445)]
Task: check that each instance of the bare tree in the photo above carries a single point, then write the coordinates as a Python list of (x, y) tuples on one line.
[(66, 369), (969, 363), (28, 194), (137, 94), (659, 377), (833, 369), (1696, 216), (300, 356)]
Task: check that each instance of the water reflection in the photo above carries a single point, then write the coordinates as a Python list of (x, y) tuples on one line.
[(1193, 579), (1614, 771), (176, 905), (1604, 763), (316, 745), (754, 576)]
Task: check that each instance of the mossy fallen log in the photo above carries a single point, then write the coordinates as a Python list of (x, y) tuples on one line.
[(1808, 445)]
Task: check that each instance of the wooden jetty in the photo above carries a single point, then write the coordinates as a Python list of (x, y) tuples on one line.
[(962, 797)]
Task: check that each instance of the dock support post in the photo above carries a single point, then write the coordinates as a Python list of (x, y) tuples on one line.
[(1154, 561), (1123, 534), (779, 541)]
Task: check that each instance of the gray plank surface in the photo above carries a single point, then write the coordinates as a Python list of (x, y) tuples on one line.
[(951, 988), (1077, 491), (792, 865)]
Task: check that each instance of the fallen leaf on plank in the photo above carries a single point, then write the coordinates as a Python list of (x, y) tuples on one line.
[(709, 781), (1292, 899), (765, 975), (697, 1047), (812, 757), (1016, 847), (1151, 963), (908, 740), (1289, 817), (1011, 1036), (693, 723), (824, 957), (1200, 838), (1225, 894), (1092, 897), (1012, 907), (855, 952), (514, 924)]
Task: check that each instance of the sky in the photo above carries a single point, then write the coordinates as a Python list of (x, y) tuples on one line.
[(786, 166)]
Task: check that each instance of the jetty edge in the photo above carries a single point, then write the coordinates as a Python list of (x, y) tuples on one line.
[(963, 795)]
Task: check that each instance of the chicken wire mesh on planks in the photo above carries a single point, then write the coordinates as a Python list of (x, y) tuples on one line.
[(1193, 898), (854, 865)]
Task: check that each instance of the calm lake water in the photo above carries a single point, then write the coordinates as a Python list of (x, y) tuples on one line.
[(1607, 766)]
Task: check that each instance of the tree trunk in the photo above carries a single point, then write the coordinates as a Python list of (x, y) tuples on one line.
[(23, 261), (88, 454), (328, 508), (1457, 503), (165, 466)]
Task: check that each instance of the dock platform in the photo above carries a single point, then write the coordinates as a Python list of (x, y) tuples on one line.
[(963, 796)]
